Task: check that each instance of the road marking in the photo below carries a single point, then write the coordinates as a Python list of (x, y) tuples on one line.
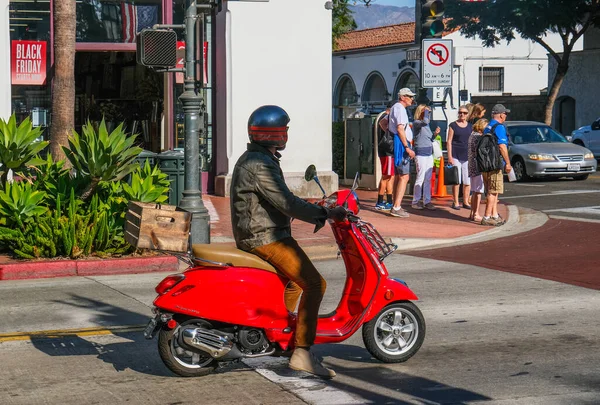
[(554, 193), (59, 333), (311, 389), (593, 210), (578, 219)]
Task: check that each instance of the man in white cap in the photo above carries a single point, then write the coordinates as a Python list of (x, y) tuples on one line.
[(494, 181), (403, 153)]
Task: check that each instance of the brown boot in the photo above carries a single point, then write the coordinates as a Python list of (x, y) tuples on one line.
[(304, 360)]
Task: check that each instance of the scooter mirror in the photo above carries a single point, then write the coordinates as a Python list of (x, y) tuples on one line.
[(310, 173)]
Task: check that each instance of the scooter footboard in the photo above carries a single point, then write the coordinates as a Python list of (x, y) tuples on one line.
[(392, 290)]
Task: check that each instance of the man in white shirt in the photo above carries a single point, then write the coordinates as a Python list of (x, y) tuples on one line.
[(403, 153)]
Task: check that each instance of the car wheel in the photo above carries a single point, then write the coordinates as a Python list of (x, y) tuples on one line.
[(581, 177), (578, 142), (518, 166)]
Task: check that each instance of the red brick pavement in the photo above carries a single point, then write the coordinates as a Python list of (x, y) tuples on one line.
[(561, 250)]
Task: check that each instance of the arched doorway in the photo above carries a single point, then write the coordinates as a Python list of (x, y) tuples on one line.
[(409, 79), (345, 95), (375, 90), (564, 111)]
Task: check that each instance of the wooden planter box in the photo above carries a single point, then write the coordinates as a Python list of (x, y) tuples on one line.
[(157, 226)]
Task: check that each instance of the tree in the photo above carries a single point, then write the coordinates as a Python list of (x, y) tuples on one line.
[(343, 21), (63, 83), (497, 20)]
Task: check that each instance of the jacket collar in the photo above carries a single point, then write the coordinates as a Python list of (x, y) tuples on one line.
[(254, 147)]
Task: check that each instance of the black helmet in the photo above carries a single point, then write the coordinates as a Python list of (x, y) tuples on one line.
[(267, 126)]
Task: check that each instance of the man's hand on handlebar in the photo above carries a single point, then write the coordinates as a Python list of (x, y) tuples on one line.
[(337, 213)]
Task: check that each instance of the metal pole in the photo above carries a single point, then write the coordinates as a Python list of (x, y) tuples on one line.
[(193, 107)]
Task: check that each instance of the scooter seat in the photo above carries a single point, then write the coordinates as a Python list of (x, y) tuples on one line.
[(229, 254)]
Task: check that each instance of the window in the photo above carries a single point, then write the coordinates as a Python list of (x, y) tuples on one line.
[(491, 79)]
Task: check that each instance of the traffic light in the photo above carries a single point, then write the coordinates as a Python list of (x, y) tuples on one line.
[(430, 21)]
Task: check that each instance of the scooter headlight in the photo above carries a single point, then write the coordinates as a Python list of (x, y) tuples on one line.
[(331, 201)]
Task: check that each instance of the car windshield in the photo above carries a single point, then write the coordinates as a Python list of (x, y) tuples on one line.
[(523, 134)]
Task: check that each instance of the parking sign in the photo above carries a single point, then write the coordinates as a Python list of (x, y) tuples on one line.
[(436, 62)]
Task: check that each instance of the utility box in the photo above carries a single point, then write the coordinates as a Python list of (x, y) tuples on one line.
[(172, 163), (361, 154)]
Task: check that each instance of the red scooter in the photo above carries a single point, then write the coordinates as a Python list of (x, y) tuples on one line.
[(230, 306)]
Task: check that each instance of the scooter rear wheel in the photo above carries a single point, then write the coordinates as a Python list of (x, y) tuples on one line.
[(180, 360), (396, 333)]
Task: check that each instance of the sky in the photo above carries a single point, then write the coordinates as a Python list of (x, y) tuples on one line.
[(397, 3)]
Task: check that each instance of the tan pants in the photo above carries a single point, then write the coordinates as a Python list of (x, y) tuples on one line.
[(290, 260)]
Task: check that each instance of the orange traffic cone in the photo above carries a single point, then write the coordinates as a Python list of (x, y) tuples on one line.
[(440, 192), (433, 179)]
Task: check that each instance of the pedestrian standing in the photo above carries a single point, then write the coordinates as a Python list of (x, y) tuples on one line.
[(476, 113), (399, 126), (457, 142), (477, 187), (494, 180), (385, 151), (423, 144)]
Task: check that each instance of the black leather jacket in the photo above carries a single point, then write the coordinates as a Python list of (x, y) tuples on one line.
[(261, 203)]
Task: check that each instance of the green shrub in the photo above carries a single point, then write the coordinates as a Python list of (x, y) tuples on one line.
[(338, 134), (57, 212)]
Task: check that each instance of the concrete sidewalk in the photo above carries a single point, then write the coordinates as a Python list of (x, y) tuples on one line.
[(422, 229)]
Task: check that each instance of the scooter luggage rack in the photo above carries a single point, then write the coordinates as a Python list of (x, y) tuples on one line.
[(377, 242)]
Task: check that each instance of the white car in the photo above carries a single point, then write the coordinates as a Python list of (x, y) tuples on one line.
[(589, 137)]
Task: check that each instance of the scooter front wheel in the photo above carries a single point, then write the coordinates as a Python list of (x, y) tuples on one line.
[(396, 333), (179, 359)]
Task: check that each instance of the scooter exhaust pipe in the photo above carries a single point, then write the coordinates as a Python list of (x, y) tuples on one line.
[(216, 344)]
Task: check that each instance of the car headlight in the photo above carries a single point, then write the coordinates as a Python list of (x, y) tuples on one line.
[(540, 156), (588, 155)]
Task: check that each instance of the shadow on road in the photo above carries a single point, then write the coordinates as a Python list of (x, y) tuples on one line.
[(132, 352), (384, 379)]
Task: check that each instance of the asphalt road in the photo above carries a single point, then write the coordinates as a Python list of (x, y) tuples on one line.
[(558, 198), (492, 337)]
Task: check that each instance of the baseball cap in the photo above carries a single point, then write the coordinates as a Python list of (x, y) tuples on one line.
[(405, 92), (499, 109)]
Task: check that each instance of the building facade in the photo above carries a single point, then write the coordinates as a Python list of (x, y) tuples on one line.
[(255, 54), (384, 59), (577, 103)]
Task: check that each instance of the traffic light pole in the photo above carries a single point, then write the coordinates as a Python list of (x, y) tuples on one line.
[(193, 108)]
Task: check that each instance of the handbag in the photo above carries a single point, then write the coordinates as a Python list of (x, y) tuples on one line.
[(437, 150), (451, 175)]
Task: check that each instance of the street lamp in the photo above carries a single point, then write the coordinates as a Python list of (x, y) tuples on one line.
[(193, 108)]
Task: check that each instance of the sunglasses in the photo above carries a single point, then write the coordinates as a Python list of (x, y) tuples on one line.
[(463, 113)]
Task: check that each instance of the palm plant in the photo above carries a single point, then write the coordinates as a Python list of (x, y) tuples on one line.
[(20, 203), (100, 156), (147, 185), (18, 146)]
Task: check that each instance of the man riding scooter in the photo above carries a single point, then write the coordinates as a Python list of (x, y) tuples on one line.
[(261, 210)]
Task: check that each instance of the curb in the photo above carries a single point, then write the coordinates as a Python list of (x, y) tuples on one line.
[(72, 268)]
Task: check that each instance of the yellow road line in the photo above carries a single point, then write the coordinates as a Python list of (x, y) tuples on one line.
[(53, 334)]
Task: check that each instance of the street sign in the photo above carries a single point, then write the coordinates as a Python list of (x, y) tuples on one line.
[(436, 62)]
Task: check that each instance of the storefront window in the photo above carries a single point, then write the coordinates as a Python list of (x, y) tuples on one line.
[(30, 60), (115, 21)]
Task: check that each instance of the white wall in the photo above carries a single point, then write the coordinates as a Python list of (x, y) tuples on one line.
[(5, 79), (579, 84), (360, 65), (276, 52)]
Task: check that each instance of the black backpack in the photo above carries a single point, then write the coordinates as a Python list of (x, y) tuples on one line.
[(385, 146), (488, 155)]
